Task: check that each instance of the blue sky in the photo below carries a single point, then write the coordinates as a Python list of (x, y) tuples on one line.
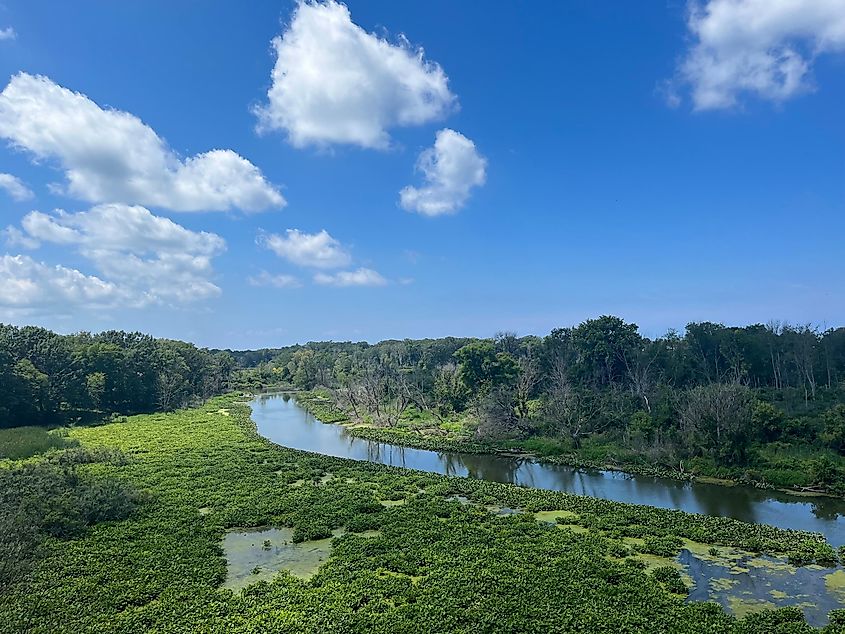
[(663, 162)]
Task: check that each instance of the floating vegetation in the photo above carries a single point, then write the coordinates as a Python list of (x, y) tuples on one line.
[(835, 582), (553, 517), (745, 583), (744, 606)]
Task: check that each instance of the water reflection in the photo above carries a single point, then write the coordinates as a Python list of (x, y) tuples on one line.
[(279, 419)]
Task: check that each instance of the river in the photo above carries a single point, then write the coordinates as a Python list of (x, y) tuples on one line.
[(280, 420)]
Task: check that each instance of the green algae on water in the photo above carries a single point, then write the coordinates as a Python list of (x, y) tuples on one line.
[(258, 555)]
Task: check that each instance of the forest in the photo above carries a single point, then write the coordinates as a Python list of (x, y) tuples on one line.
[(760, 403), (52, 379), (764, 403)]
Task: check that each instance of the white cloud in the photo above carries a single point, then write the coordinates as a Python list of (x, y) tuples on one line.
[(762, 47), (28, 285), (118, 227), (169, 278), (359, 277), (335, 83), (153, 259), (8, 34), (451, 169), (17, 238), (110, 155), (316, 250), (277, 281), (15, 187)]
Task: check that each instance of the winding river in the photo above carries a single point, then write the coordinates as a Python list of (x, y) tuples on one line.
[(280, 420)]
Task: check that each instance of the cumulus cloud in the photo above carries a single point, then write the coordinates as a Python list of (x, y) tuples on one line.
[(151, 259), (28, 285), (762, 47), (451, 168), (335, 83), (15, 187), (17, 238), (276, 281), (359, 277), (315, 250), (110, 155), (8, 34)]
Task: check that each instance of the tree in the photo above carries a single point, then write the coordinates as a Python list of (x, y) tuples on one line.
[(172, 379), (768, 420), (639, 369), (602, 345), (834, 428), (804, 342), (527, 379), (449, 393), (96, 385), (718, 417), (497, 416), (481, 368), (573, 413), (49, 378), (303, 369), (31, 388), (704, 344)]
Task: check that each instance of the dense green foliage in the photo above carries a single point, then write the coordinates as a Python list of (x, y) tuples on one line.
[(764, 404), (435, 565), (52, 498), (23, 442), (46, 378)]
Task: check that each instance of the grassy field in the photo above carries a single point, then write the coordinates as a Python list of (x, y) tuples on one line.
[(413, 556)]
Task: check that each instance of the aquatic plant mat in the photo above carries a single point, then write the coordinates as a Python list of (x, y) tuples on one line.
[(234, 534)]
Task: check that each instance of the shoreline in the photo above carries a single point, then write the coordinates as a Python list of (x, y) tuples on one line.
[(415, 440)]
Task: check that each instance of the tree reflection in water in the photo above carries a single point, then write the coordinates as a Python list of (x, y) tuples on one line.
[(279, 419)]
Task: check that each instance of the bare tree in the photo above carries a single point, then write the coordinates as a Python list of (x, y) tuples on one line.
[(497, 417), (717, 418), (574, 412), (526, 382), (805, 353), (375, 388), (638, 367)]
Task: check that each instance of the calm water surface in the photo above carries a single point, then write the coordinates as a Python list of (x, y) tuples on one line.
[(282, 421)]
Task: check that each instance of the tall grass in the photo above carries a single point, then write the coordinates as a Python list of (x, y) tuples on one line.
[(23, 442)]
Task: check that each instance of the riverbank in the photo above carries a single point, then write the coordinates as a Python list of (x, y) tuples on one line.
[(413, 552), (541, 450)]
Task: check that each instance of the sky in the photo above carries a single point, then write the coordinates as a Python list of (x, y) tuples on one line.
[(246, 175)]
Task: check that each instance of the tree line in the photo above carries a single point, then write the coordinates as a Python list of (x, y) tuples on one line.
[(713, 391), (47, 378)]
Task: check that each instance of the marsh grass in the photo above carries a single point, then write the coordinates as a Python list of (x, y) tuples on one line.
[(24, 442)]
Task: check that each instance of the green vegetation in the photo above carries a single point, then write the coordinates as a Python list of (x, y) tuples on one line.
[(23, 442), (763, 405), (54, 498), (155, 560), (50, 379)]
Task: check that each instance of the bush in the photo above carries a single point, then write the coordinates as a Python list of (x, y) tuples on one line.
[(670, 578), (42, 499), (666, 546)]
